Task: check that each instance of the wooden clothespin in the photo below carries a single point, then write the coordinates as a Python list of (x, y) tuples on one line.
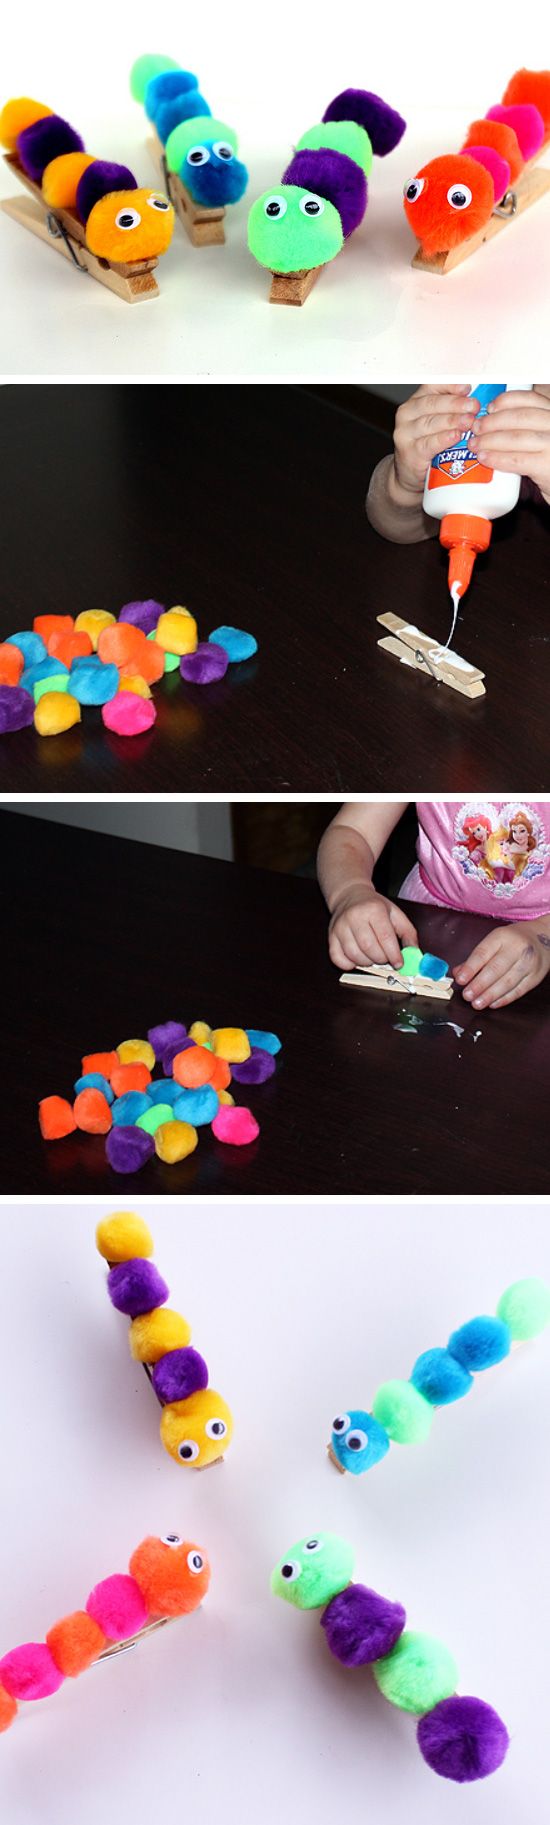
[(293, 287), (204, 227), (62, 230), (423, 654), (383, 976), (533, 184)]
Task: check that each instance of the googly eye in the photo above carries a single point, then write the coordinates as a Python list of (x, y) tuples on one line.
[(313, 1546), (275, 207), (223, 150), (157, 202), (413, 190), (195, 1562), (341, 1423), (215, 1428), (188, 1450), (459, 196), (127, 218), (311, 204), (356, 1440), (171, 1539), (197, 155), (291, 1570)]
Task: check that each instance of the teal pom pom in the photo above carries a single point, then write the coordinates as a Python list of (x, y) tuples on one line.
[(480, 1343), (143, 70), (440, 1377), (525, 1308), (236, 644)]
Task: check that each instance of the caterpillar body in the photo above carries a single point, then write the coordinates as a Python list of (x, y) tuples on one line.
[(123, 223), (200, 150), (453, 197), (322, 198)]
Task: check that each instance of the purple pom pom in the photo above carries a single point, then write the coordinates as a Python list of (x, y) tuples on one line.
[(361, 1626), (463, 1739), (384, 126), (207, 663), (98, 180), (16, 708), (176, 1045), (256, 1069), (179, 1373), (334, 176), (136, 1286), (163, 1036), (144, 615), (128, 1148), (47, 139)]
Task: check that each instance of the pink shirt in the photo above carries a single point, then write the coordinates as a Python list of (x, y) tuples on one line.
[(483, 856)]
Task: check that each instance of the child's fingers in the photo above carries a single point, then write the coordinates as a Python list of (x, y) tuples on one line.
[(383, 929), (509, 402), (337, 953), (482, 954), (503, 983), (529, 418), (430, 390), (406, 931), (514, 995)]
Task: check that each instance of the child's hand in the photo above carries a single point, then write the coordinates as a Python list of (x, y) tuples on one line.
[(367, 928), (430, 419), (509, 962), (515, 436)]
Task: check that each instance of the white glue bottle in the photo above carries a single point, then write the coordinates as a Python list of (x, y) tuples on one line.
[(466, 496)]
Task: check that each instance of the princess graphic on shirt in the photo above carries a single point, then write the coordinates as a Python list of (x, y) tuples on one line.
[(503, 848)]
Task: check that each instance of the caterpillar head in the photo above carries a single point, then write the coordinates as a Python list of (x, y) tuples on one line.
[(173, 1574), (203, 154), (129, 225), (358, 1441), (449, 200), (292, 230), (197, 1430), (313, 1571)]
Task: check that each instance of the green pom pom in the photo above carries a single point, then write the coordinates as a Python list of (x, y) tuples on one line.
[(313, 1571), (404, 1413), (289, 240), (59, 681), (525, 1308), (153, 1118), (145, 68), (171, 660), (339, 136), (412, 959), (202, 128), (417, 1674)]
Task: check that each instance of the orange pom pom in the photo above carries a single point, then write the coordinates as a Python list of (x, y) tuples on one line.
[(122, 645), (221, 1075), (56, 1118), (8, 1708), (67, 647), (433, 219), (103, 1063), (12, 663), (18, 114), (168, 1582), (129, 1077), (533, 86), (193, 1067), (152, 222), (149, 660), (502, 138), (92, 1112), (75, 1642), (46, 625), (62, 177)]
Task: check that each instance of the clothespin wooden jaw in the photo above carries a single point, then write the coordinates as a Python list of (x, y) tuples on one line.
[(62, 230), (204, 227), (382, 976), (422, 654)]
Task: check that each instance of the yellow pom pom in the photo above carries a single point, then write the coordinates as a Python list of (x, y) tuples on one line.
[(200, 1032), (136, 684), (123, 1236), (232, 1044), (16, 116), (136, 1052), (198, 1430), (176, 631), (59, 187), (153, 1334), (92, 620), (55, 712), (174, 1140)]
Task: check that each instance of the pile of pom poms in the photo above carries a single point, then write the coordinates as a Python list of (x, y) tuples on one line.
[(49, 671), (166, 1577), (118, 1096)]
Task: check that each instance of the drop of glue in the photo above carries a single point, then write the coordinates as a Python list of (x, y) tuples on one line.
[(455, 593)]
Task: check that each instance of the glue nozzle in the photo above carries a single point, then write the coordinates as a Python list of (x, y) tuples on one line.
[(463, 535)]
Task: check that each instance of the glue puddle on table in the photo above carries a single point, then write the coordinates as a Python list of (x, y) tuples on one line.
[(410, 1022)]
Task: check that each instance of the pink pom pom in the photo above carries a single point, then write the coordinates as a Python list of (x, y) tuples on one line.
[(117, 1605), (30, 1671), (527, 124), (236, 1125), (128, 714), (497, 167)]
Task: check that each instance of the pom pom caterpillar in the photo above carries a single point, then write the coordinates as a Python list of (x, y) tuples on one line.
[(402, 1411), (196, 1425), (166, 1577), (462, 1739), (302, 223), (456, 202), (95, 211), (198, 154)]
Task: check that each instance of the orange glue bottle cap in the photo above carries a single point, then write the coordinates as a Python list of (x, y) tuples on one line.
[(463, 535)]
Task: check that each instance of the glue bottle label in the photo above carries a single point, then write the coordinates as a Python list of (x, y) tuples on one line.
[(458, 463), (458, 482)]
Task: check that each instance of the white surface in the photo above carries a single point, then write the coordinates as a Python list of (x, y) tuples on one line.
[(271, 76), (240, 1711)]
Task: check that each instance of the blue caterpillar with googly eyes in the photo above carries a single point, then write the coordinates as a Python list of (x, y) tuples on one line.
[(402, 1411), (303, 222), (199, 149)]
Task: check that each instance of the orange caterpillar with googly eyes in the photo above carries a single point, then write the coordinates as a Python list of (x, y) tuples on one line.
[(452, 198), (122, 223)]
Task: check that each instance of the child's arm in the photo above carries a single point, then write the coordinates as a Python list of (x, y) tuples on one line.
[(430, 419), (364, 926), (515, 436), (509, 962)]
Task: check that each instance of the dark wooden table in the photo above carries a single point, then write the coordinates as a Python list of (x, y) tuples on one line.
[(247, 504), (105, 937)]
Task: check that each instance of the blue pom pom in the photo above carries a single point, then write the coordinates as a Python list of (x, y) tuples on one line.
[(164, 1090), (236, 644), (434, 967), (480, 1343), (30, 645), (169, 114), (126, 1109), (44, 668), (440, 1377), (165, 87), (92, 681), (94, 1080), (267, 1042), (197, 1106), (358, 1441), (217, 182)]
